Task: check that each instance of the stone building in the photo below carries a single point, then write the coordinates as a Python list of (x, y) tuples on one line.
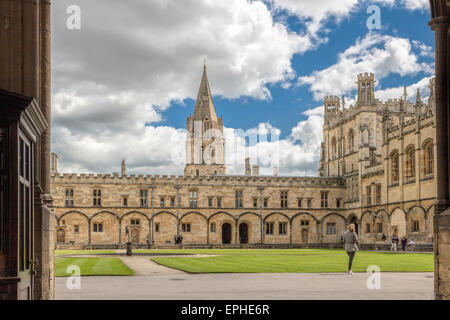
[(377, 170)]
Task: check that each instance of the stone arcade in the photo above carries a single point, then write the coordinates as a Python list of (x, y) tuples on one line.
[(377, 170)]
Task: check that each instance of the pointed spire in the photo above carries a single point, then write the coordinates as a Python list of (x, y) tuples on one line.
[(405, 93), (343, 102), (418, 98), (204, 107)]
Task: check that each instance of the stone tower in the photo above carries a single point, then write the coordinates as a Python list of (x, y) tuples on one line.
[(205, 143), (366, 89)]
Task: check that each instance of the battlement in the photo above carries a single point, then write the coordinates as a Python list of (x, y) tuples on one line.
[(155, 180), (366, 76), (331, 100)]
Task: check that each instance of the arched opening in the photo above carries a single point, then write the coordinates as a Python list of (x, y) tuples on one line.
[(226, 233), (354, 220), (135, 236), (243, 233), (61, 236)]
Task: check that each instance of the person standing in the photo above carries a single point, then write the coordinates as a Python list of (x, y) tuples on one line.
[(404, 243), (351, 245), (394, 243)]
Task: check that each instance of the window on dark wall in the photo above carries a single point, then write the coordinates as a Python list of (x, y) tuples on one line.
[(186, 227), (282, 228), (269, 227), (98, 227)]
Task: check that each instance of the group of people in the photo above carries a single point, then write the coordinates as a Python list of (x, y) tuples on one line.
[(395, 240)]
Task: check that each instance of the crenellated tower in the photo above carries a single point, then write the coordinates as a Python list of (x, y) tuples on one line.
[(366, 89), (205, 142)]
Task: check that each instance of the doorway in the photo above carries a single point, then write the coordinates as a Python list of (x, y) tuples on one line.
[(61, 236), (243, 233), (355, 222), (135, 236), (226, 233), (305, 236)]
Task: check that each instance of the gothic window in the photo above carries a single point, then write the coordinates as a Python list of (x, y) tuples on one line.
[(309, 203), (219, 202), (351, 141), (213, 227), (197, 172), (144, 198), (69, 198), (410, 162), (210, 202), (266, 201), (255, 202), (395, 167), (367, 227), (378, 193), (304, 222), (125, 201), (157, 227), (428, 158), (162, 202), (193, 198), (379, 227), (299, 202), (97, 197), (324, 199), (338, 203), (238, 199), (172, 202), (284, 197), (76, 228)]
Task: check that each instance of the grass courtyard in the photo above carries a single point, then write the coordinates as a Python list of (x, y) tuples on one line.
[(295, 261), (92, 267), (250, 261)]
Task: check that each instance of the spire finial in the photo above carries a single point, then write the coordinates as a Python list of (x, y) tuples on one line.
[(405, 93), (418, 97), (204, 64)]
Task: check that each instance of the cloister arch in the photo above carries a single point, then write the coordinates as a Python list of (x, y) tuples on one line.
[(304, 228), (76, 227), (198, 223), (217, 220), (330, 233), (277, 218), (107, 231), (164, 227), (138, 231), (397, 221)]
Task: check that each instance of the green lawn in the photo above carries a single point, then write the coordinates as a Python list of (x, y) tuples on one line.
[(81, 252), (241, 251), (297, 261), (92, 267)]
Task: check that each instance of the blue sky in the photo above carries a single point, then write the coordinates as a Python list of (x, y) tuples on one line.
[(286, 107), (125, 80)]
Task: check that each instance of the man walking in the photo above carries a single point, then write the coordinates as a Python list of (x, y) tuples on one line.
[(351, 241)]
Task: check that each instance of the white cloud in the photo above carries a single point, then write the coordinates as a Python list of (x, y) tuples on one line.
[(379, 54)]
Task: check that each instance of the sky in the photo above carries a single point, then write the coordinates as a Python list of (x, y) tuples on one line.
[(126, 77)]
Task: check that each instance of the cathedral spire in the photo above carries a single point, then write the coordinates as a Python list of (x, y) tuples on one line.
[(204, 107)]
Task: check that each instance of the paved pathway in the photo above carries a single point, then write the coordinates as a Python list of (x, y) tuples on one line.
[(167, 283)]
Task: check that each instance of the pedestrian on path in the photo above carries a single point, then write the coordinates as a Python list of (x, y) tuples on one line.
[(404, 243), (351, 245), (394, 241)]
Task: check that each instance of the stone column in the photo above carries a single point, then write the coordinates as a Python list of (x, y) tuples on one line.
[(261, 225), (440, 22)]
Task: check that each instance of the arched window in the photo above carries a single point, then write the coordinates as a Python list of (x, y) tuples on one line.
[(428, 158), (197, 173), (351, 141), (410, 162), (333, 148), (394, 166)]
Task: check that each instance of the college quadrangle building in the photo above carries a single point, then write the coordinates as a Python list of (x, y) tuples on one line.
[(377, 170)]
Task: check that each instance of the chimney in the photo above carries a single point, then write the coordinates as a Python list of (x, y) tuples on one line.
[(275, 171), (248, 170), (54, 163), (123, 169), (256, 170)]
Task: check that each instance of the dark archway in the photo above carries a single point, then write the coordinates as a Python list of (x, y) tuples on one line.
[(243, 233), (354, 220), (226, 233)]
